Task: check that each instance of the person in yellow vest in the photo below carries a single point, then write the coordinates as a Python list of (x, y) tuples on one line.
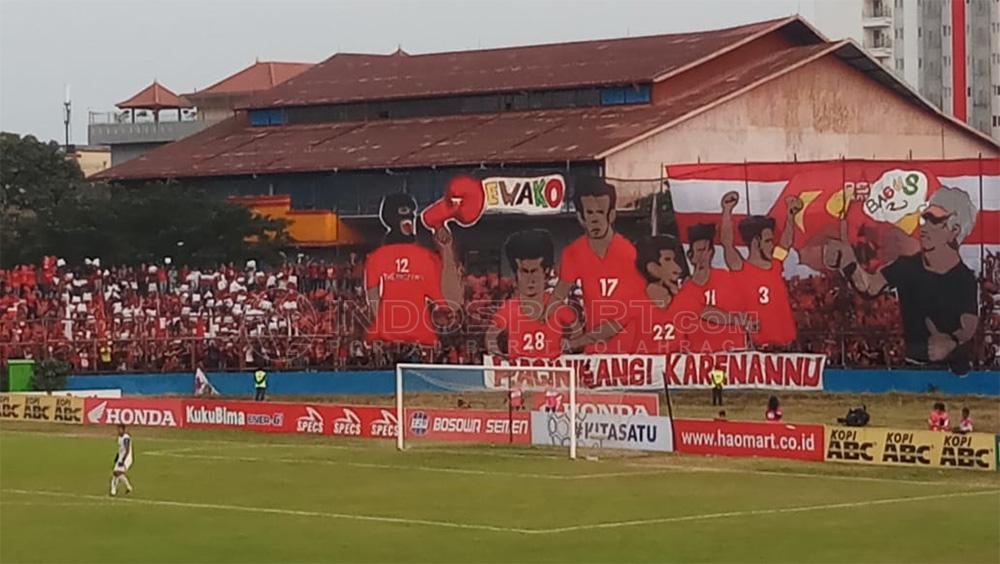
[(260, 384), (718, 381), (105, 355)]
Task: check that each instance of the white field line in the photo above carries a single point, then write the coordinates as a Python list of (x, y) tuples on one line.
[(779, 473), (757, 512), (402, 467), (497, 529), (366, 446), (279, 511), (659, 466), (54, 503)]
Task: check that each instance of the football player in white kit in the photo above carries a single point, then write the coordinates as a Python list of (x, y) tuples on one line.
[(123, 461)]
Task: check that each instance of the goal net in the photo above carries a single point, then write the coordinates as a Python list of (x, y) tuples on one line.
[(525, 405), (485, 404)]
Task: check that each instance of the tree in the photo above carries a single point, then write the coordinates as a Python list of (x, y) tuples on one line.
[(50, 374), (34, 176), (666, 222), (158, 219), (47, 208)]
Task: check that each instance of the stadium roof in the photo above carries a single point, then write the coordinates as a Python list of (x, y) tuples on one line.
[(347, 77), (262, 75), (234, 147), (154, 97)]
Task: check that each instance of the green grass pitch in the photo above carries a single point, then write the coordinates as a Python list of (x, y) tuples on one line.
[(204, 496)]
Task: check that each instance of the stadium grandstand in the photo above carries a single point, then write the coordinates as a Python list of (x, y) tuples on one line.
[(311, 314)]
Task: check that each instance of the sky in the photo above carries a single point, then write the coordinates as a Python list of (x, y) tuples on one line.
[(107, 50)]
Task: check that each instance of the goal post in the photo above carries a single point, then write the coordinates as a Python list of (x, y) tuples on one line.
[(481, 385)]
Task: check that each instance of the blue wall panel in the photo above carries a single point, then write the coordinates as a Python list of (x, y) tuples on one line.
[(918, 381), (383, 382)]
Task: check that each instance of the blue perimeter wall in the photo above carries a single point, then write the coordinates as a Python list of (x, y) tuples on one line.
[(383, 382)]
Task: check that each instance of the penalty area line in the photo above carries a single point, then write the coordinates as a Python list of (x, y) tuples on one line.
[(756, 512), (781, 474), (278, 511), (186, 453), (498, 529)]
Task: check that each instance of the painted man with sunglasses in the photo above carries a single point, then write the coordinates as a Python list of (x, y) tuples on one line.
[(938, 297)]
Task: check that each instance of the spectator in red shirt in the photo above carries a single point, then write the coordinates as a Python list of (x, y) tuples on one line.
[(773, 413), (938, 419)]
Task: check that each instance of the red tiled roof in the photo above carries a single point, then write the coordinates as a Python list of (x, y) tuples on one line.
[(235, 148), (351, 77), (256, 77), (154, 97)]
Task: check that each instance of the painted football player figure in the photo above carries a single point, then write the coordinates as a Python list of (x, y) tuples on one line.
[(713, 297), (603, 263), (529, 333), (404, 280), (760, 274)]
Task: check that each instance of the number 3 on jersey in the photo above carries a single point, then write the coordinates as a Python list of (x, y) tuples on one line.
[(608, 286), (534, 341), (764, 295)]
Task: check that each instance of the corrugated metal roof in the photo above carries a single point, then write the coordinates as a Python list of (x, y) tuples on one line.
[(353, 77), (154, 97), (234, 147), (258, 76)]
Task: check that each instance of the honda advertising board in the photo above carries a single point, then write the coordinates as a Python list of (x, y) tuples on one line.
[(134, 411), (631, 403)]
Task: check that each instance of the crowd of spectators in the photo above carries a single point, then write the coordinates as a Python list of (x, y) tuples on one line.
[(311, 314)]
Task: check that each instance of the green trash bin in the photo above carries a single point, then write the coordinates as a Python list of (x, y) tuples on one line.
[(19, 373)]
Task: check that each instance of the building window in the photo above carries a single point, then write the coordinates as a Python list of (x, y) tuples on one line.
[(946, 31), (899, 63), (920, 31), (640, 94), (261, 118), (947, 61), (920, 63)]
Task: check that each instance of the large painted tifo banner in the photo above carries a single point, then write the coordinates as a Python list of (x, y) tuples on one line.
[(921, 229), (744, 370)]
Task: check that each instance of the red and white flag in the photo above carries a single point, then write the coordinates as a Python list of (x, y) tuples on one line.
[(202, 386), (880, 200)]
